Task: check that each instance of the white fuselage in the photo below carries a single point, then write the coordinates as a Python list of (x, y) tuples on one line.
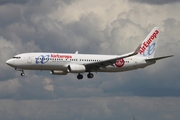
[(60, 61)]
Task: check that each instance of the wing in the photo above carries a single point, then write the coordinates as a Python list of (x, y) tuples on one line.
[(96, 65)]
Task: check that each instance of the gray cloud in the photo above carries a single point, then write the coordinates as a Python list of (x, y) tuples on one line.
[(157, 2), (13, 1), (91, 108)]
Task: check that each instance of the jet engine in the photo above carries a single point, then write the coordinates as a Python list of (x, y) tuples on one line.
[(75, 68), (58, 72)]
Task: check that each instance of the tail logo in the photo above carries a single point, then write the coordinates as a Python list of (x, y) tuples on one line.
[(119, 63), (150, 50), (147, 43)]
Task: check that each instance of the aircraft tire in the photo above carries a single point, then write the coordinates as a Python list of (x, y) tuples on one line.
[(79, 76), (22, 74), (90, 75)]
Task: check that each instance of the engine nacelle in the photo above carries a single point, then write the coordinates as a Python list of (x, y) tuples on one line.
[(58, 72), (75, 68)]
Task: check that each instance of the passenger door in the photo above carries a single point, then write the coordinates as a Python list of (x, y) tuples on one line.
[(29, 59)]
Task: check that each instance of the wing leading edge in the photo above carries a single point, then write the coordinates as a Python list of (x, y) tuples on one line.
[(104, 63)]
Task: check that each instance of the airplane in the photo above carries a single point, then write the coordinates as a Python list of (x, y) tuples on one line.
[(64, 63)]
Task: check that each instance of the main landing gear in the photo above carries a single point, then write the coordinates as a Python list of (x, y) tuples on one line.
[(89, 75), (79, 76)]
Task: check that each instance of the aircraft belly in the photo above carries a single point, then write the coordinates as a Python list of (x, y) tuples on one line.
[(43, 67), (51, 67)]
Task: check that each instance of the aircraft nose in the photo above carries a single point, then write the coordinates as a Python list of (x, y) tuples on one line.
[(9, 62)]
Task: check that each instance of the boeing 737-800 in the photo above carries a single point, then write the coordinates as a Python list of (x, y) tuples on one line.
[(64, 63)]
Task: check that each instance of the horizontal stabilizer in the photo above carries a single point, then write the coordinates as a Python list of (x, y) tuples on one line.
[(158, 58)]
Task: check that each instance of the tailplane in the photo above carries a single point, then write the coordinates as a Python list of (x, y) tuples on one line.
[(148, 46), (158, 58)]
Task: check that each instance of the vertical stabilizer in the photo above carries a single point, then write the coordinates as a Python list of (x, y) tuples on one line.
[(148, 46)]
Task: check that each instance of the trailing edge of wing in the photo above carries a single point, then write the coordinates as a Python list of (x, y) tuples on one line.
[(158, 58)]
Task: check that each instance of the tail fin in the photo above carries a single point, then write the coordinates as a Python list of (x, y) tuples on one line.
[(148, 46)]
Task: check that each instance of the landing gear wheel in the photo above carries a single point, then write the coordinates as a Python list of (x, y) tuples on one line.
[(22, 74), (79, 76), (90, 75)]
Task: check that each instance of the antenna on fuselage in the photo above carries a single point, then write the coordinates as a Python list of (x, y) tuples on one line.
[(76, 52)]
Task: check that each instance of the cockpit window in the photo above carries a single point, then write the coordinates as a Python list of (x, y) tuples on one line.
[(17, 57)]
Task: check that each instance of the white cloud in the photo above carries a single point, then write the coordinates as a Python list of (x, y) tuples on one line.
[(48, 84)]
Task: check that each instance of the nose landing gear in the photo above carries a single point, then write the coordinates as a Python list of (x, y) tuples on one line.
[(23, 74), (22, 71)]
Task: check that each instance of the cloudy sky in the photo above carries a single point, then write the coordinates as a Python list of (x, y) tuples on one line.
[(89, 26)]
